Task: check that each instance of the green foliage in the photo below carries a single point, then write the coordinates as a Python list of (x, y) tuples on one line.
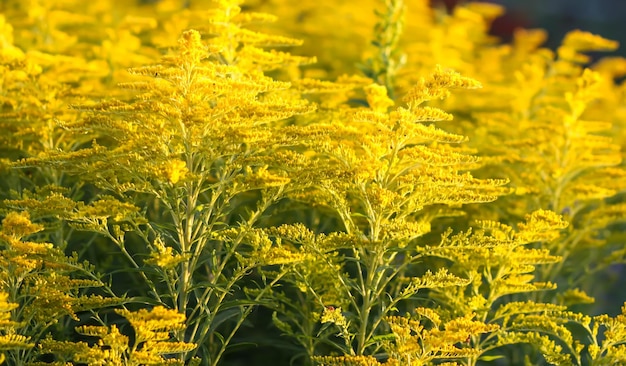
[(9, 341), (43, 286), (165, 159), (151, 346)]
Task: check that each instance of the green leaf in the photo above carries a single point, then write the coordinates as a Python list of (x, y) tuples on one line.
[(490, 358)]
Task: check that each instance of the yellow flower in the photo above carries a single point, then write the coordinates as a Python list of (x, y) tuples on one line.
[(377, 97), (18, 225), (334, 315), (164, 256), (175, 170)]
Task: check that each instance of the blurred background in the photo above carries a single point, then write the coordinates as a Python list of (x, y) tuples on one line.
[(603, 17)]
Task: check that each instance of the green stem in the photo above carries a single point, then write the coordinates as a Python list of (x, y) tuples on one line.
[(246, 312), (369, 301)]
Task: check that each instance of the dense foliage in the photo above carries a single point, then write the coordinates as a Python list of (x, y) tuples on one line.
[(184, 183)]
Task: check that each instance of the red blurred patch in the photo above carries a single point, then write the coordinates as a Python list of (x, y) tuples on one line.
[(448, 4), (505, 25), (502, 27)]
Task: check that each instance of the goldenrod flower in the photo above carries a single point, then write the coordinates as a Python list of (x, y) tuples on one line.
[(175, 170)]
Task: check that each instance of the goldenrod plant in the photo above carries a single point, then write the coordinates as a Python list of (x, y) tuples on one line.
[(558, 134), (393, 180), (152, 342), (209, 165), (9, 340), (42, 288), (218, 182)]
